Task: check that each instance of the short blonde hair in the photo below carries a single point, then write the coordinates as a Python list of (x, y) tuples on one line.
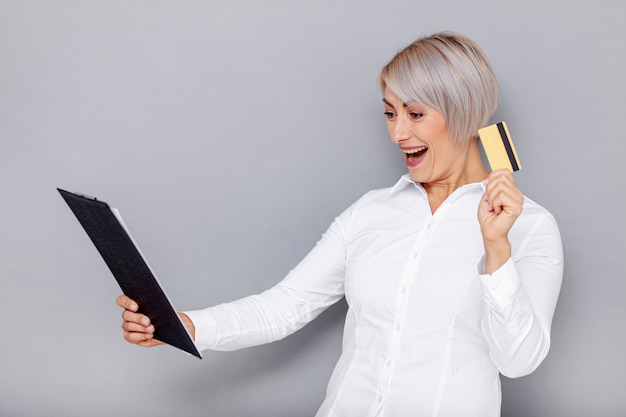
[(450, 73)]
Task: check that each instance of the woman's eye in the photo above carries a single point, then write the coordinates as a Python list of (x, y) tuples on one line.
[(416, 115), (389, 114)]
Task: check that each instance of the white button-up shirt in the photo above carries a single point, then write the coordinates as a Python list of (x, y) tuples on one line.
[(427, 332)]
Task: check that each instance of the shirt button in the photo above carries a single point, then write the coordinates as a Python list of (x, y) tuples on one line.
[(403, 290), (398, 327), (379, 398), (415, 255), (389, 363)]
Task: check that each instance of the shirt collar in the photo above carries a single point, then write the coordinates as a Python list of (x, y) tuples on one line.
[(405, 182)]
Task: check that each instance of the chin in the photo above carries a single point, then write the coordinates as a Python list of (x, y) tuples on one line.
[(418, 175), (416, 178)]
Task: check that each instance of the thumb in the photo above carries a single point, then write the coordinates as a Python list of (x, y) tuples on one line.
[(484, 204)]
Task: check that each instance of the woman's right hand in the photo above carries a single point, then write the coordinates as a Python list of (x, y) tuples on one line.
[(137, 327)]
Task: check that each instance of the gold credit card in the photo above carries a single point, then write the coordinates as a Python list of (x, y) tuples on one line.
[(499, 148)]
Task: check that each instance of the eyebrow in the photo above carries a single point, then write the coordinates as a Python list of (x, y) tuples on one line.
[(391, 105)]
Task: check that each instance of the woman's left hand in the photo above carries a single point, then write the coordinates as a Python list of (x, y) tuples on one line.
[(500, 206)]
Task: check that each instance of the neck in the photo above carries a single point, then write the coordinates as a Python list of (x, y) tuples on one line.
[(469, 170)]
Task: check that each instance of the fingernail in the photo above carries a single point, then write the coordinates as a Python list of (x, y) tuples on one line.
[(145, 321), (150, 329), (134, 307)]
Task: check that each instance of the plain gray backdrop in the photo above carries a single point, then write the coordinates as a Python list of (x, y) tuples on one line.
[(230, 134)]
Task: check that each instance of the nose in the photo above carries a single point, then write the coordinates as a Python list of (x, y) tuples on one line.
[(398, 130)]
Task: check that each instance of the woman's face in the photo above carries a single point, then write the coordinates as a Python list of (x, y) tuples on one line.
[(422, 135)]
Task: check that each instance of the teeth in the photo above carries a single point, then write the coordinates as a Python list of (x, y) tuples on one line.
[(416, 150)]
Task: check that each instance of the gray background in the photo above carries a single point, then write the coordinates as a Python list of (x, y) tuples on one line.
[(230, 134)]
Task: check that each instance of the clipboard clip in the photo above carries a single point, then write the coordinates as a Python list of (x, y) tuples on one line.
[(88, 197)]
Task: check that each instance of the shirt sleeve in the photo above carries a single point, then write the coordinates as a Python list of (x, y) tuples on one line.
[(313, 285), (520, 298)]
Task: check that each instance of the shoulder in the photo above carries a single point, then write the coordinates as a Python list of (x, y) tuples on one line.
[(532, 211), (383, 207), (370, 199), (401, 196), (536, 230), (374, 196), (402, 192)]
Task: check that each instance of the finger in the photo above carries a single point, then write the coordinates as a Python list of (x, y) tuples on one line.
[(137, 337), (502, 173), (507, 200), (506, 187), (135, 327), (497, 182), (126, 303), (502, 191), (138, 318), (501, 200), (484, 205), (497, 203), (142, 340), (150, 342)]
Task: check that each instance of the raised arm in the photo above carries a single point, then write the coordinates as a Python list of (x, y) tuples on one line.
[(522, 277)]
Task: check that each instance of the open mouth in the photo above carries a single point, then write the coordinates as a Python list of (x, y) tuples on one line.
[(413, 155)]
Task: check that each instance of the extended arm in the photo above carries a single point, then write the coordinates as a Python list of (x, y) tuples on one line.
[(312, 286)]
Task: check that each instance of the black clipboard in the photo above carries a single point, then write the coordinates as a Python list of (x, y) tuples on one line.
[(107, 231)]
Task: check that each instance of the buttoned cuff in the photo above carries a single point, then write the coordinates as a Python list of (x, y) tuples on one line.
[(205, 328)]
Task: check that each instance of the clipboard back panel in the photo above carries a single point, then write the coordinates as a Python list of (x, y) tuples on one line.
[(129, 268)]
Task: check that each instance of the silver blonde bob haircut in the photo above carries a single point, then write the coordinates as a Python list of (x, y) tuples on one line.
[(449, 73)]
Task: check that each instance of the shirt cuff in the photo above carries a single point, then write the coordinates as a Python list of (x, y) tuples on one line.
[(205, 328), (501, 287)]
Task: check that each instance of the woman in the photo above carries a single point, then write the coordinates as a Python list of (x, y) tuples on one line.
[(451, 275)]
